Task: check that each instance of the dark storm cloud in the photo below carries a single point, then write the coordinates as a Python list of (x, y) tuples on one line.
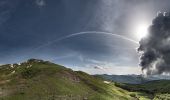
[(155, 48)]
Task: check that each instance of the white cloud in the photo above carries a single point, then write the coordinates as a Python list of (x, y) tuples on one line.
[(120, 70), (40, 2), (103, 67)]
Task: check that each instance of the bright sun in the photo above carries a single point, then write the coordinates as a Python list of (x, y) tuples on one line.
[(141, 31)]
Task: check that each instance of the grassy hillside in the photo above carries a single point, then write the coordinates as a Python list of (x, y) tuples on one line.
[(42, 80), (157, 90)]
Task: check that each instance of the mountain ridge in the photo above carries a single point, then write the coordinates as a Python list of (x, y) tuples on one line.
[(132, 79)]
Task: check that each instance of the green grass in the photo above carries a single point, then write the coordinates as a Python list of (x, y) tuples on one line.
[(157, 90), (40, 80)]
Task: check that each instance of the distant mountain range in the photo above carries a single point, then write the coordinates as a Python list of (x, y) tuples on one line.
[(133, 79)]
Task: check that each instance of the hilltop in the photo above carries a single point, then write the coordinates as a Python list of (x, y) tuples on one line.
[(43, 80)]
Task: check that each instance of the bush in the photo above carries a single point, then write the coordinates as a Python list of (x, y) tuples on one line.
[(29, 72), (133, 95)]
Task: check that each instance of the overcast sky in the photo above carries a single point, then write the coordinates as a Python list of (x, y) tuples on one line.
[(46, 29)]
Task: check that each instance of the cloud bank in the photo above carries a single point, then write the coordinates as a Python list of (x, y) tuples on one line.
[(155, 48)]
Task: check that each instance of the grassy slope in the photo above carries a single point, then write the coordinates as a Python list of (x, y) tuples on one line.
[(157, 90), (39, 80)]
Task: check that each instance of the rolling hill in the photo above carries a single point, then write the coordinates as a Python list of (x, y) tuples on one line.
[(157, 90), (43, 80)]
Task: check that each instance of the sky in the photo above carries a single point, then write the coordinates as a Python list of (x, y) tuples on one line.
[(95, 36)]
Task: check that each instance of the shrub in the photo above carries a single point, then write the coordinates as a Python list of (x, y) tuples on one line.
[(133, 95), (29, 72)]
